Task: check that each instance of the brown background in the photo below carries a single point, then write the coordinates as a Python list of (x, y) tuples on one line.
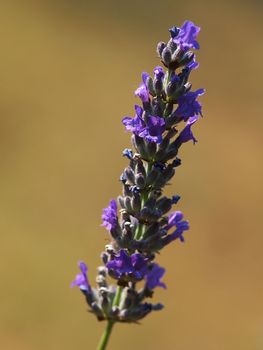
[(68, 72)]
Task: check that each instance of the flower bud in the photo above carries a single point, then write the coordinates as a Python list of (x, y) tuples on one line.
[(127, 203), (139, 168), (152, 176), (149, 85), (121, 201), (136, 202), (160, 47), (151, 149), (129, 175), (164, 205), (97, 311), (140, 181), (166, 56), (139, 144)]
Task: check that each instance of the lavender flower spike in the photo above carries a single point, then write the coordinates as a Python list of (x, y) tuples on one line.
[(144, 221)]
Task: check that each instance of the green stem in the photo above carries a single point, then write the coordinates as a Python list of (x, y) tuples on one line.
[(141, 228), (107, 332), (105, 336), (117, 297)]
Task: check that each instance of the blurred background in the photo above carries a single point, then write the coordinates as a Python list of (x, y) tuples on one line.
[(68, 74)]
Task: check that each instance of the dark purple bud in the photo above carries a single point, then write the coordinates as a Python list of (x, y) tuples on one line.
[(175, 199), (149, 85), (129, 175), (177, 162), (136, 202), (140, 181), (151, 230), (158, 80), (139, 168), (174, 31), (149, 214), (152, 176), (121, 201), (97, 311), (127, 152), (127, 190), (127, 203), (172, 45), (157, 307), (186, 59), (167, 174), (139, 145), (104, 257), (171, 153), (164, 205), (173, 86), (160, 47), (168, 110), (166, 56), (135, 189)]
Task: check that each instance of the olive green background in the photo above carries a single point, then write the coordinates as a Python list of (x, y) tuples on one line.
[(68, 74)]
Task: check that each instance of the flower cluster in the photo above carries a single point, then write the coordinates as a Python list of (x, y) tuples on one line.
[(142, 223)]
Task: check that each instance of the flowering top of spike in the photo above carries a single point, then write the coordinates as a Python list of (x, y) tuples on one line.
[(145, 224), (185, 37)]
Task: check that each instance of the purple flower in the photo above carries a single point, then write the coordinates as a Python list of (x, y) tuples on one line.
[(153, 277), (186, 134), (128, 266), (81, 279), (145, 76), (175, 219), (142, 91), (193, 64), (151, 128), (188, 106), (109, 216), (158, 73), (154, 129), (135, 124), (185, 37)]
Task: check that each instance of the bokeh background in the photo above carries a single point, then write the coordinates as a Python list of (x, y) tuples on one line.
[(67, 76)]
